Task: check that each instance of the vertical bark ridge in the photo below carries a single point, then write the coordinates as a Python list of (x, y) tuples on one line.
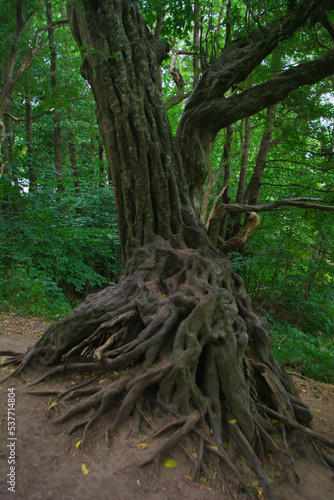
[(121, 66)]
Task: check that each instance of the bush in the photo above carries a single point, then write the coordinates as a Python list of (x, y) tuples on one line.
[(28, 292), (57, 248), (312, 354)]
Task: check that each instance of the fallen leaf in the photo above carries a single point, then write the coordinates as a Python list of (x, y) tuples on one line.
[(142, 446), (234, 421), (51, 405), (84, 469), (78, 444), (171, 464)]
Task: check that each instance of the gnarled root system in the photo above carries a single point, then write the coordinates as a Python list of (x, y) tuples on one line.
[(179, 334)]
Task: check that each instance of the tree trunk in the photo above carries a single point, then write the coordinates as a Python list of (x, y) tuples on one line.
[(30, 141), (254, 188), (196, 42), (245, 141), (180, 320), (55, 113)]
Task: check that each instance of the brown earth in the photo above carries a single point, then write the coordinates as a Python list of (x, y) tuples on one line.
[(49, 465)]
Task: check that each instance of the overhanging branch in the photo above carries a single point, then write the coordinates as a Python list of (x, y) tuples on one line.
[(252, 219), (218, 113), (208, 110), (289, 202)]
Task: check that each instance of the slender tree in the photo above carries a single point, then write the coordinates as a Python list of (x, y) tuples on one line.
[(53, 81), (180, 321)]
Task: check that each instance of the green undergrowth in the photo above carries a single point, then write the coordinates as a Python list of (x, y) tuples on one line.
[(55, 249), (310, 354), (28, 292)]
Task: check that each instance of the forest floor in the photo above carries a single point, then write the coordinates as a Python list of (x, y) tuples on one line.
[(49, 465)]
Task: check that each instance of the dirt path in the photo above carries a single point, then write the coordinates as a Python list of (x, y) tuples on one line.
[(49, 465)]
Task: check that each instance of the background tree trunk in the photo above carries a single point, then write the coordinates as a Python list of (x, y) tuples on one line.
[(30, 141), (55, 114)]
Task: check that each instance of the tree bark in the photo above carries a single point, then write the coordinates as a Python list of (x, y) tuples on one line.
[(243, 174), (55, 113), (150, 189), (30, 141), (244, 161), (254, 188)]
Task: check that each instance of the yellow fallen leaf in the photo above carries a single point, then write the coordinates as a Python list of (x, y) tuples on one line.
[(233, 421), (84, 469), (171, 464), (51, 405), (103, 380), (214, 448), (142, 446), (78, 444), (319, 410)]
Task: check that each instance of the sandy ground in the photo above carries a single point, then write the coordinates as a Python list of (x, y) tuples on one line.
[(49, 465)]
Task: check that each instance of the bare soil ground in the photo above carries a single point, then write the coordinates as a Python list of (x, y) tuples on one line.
[(49, 465)]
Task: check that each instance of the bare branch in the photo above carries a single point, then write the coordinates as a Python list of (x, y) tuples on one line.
[(293, 202), (243, 235), (215, 201), (16, 119), (310, 188)]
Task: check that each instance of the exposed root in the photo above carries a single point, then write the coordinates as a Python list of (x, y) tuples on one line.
[(329, 461), (144, 417), (13, 354), (174, 423), (226, 490), (175, 439), (180, 334), (229, 465), (62, 368), (246, 449), (101, 398), (295, 425)]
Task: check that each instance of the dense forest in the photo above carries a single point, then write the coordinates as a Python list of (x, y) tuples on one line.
[(191, 164), (59, 238)]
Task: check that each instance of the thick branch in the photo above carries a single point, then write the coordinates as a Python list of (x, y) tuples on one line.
[(293, 202), (253, 219), (218, 113), (207, 111)]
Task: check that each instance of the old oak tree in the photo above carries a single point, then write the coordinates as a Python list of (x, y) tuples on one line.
[(179, 326)]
